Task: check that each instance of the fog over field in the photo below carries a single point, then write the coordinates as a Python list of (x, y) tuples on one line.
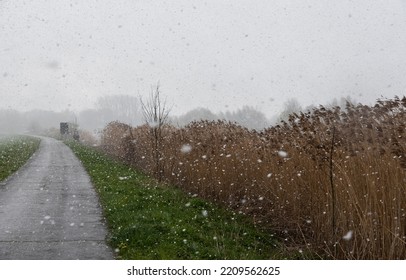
[(66, 55)]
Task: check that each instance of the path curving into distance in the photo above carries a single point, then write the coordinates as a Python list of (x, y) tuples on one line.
[(50, 210)]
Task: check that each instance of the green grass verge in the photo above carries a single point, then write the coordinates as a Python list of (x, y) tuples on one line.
[(148, 220), (14, 152)]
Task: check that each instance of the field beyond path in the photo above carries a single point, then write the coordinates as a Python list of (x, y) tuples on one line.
[(49, 209)]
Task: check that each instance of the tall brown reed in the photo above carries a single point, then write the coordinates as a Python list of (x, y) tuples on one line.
[(330, 180)]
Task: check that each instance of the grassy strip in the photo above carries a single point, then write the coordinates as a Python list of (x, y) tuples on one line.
[(151, 221), (14, 152)]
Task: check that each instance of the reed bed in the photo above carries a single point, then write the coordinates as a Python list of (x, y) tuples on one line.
[(330, 181)]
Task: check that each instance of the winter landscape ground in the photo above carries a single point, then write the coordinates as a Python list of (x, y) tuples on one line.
[(328, 183)]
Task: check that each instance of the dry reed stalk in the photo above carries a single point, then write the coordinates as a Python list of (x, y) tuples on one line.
[(292, 178)]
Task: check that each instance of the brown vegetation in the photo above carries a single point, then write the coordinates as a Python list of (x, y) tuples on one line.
[(331, 180)]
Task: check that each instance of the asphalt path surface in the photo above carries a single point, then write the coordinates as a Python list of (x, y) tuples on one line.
[(49, 209)]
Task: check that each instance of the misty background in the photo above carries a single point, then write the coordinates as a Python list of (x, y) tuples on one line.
[(91, 61)]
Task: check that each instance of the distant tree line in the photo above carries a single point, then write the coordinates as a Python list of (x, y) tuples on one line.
[(246, 116), (250, 117), (128, 110)]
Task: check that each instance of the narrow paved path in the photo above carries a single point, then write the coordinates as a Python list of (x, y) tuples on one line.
[(49, 209)]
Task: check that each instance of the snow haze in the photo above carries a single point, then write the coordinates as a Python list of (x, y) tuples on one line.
[(220, 55)]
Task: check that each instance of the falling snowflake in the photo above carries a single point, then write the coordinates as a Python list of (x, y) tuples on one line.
[(282, 154), (348, 235), (186, 148)]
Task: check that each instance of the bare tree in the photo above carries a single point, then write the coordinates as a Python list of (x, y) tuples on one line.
[(156, 114), (290, 106), (249, 117), (196, 114), (123, 108)]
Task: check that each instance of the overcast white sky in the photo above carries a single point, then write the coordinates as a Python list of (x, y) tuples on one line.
[(219, 54)]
